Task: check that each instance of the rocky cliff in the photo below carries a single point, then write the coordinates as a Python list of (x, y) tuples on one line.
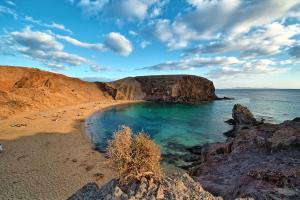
[(24, 89), (165, 88), (260, 160)]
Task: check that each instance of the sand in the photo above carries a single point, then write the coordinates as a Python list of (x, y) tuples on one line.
[(47, 154)]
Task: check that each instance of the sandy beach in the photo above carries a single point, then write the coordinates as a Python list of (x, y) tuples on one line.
[(47, 154)]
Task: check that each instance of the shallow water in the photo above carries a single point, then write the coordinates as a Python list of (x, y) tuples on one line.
[(177, 126)]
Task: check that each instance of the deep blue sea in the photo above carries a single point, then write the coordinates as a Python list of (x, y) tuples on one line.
[(174, 125)]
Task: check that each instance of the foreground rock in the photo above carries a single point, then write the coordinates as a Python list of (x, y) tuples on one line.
[(179, 187), (165, 88), (242, 119), (261, 161)]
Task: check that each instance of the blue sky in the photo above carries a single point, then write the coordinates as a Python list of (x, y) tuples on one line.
[(235, 43)]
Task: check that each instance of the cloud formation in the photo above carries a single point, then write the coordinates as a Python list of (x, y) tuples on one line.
[(247, 69), (125, 9), (114, 42), (53, 25), (118, 43), (44, 48), (217, 18), (8, 11), (269, 39), (195, 62)]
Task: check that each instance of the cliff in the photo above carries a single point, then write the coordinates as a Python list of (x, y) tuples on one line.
[(165, 88), (23, 89)]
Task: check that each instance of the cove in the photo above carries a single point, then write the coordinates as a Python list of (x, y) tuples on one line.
[(172, 126)]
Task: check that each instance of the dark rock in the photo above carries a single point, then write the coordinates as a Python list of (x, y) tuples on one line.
[(242, 115), (297, 119), (225, 98), (195, 149), (87, 192), (164, 88), (262, 162), (230, 122)]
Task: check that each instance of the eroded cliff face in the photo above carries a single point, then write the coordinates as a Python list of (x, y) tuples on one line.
[(165, 88), (23, 89)]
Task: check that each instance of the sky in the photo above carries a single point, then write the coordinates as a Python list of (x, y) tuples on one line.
[(234, 43)]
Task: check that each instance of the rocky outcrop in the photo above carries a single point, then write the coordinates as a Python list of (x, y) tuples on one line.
[(261, 161), (242, 115), (176, 187), (242, 119), (24, 89), (31, 89), (165, 88)]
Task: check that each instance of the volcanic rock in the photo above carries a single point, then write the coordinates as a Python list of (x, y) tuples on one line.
[(165, 88), (261, 162), (169, 188), (242, 115)]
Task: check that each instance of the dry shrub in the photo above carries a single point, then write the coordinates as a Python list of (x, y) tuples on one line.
[(134, 157)]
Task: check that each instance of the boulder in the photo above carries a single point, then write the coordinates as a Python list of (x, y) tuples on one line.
[(242, 115)]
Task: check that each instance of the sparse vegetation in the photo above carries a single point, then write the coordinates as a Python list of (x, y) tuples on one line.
[(134, 156)]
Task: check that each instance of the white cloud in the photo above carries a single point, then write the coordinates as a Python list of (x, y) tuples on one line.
[(118, 43), (97, 47), (127, 9), (247, 69), (36, 40), (10, 3), (44, 48), (223, 67), (215, 18), (53, 25), (144, 44), (267, 40), (195, 62), (131, 32), (8, 11), (114, 42)]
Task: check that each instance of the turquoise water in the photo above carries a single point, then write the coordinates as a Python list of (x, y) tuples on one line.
[(177, 126)]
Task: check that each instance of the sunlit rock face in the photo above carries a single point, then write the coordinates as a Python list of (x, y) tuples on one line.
[(165, 88)]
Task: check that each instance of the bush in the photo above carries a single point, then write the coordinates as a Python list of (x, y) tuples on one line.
[(134, 156)]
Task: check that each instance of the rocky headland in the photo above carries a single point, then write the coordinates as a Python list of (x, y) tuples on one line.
[(258, 160), (29, 89), (165, 88)]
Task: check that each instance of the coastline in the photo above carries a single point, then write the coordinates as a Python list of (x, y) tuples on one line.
[(50, 155)]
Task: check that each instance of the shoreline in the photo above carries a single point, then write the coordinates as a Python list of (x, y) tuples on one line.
[(50, 155)]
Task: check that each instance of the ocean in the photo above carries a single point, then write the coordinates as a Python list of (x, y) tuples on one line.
[(176, 126)]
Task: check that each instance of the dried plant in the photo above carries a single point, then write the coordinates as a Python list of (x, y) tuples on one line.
[(134, 157)]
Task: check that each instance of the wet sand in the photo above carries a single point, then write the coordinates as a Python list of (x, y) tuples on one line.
[(47, 154)]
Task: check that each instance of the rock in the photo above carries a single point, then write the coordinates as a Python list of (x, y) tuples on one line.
[(86, 192), (242, 119), (179, 186), (1, 148), (242, 115), (18, 125), (261, 162), (230, 122), (225, 98), (165, 88)]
